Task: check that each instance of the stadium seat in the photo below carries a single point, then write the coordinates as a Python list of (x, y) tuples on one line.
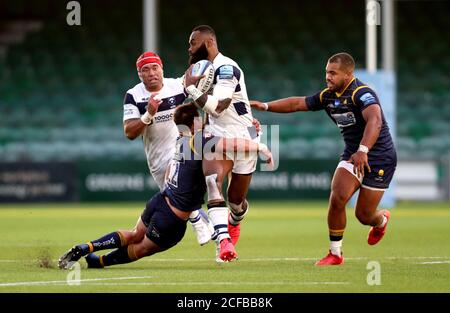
[(282, 56)]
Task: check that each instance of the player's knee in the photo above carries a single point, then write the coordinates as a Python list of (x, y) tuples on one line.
[(363, 217), (136, 235), (139, 251), (337, 201)]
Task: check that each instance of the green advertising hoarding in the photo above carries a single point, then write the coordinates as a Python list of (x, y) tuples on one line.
[(131, 181)]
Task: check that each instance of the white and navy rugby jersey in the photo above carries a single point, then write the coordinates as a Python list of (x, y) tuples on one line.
[(161, 135), (229, 82)]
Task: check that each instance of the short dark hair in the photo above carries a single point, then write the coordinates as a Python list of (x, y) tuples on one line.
[(345, 59), (185, 113), (205, 29)]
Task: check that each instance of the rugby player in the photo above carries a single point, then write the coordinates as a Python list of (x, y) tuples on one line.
[(163, 222), (369, 158), (233, 122), (148, 111)]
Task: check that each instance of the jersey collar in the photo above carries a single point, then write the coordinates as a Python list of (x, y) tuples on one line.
[(340, 93)]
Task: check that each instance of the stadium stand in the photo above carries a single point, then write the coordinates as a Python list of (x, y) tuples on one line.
[(61, 84)]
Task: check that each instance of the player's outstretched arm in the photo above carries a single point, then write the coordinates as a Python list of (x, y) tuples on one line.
[(285, 105), (134, 127)]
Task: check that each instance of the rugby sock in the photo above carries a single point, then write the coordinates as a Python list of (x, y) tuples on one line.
[(335, 247), (119, 256), (109, 241), (93, 261), (218, 214), (336, 241), (194, 217), (383, 222)]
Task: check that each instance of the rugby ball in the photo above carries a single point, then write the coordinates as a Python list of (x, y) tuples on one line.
[(206, 68)]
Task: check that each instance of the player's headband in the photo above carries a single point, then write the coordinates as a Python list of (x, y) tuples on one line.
[(148, 58)]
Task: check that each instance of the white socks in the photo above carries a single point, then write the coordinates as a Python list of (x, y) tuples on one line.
[(194, 216), (219, 218), (335, 247)]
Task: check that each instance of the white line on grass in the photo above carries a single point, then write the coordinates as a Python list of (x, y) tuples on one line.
[(253, 259), (92, 282), (293, 259), (223, 283), (57, 282), (436, 262), (416, 257)]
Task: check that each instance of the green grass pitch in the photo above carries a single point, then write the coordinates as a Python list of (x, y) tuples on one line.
[(279, 244)]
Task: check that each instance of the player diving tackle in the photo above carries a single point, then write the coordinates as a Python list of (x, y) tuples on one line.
[(162, 224)]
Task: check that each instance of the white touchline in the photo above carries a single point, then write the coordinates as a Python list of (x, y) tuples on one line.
[(255, 259), (57, 282), (436, 262), (92, 282), (224, 283)]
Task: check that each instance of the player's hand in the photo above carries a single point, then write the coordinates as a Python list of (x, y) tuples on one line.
[(189, 79), (153, 104), (257, 125), (258, 105), (267, 156), (360, 161)]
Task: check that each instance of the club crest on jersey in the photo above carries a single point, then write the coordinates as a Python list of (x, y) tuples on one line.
[(337, 103), (171, 102)]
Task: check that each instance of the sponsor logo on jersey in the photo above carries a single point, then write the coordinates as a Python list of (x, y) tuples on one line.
[(163, 118), (226, 72), (344, 119), (367, 98), (128, 112)]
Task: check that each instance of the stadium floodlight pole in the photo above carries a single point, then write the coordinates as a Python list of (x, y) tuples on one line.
[(388, 35), (150, 25), (372, 21)]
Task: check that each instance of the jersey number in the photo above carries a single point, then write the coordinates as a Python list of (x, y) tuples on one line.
[(172, 177)]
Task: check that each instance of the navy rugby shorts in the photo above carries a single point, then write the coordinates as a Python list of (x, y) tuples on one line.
[(163, 227)]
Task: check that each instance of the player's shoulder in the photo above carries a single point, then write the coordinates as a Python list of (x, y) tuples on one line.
[(325, 94), (221, 59), (133, 95), (359, 86), (136, 90), (363, 92), (226, 67)]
